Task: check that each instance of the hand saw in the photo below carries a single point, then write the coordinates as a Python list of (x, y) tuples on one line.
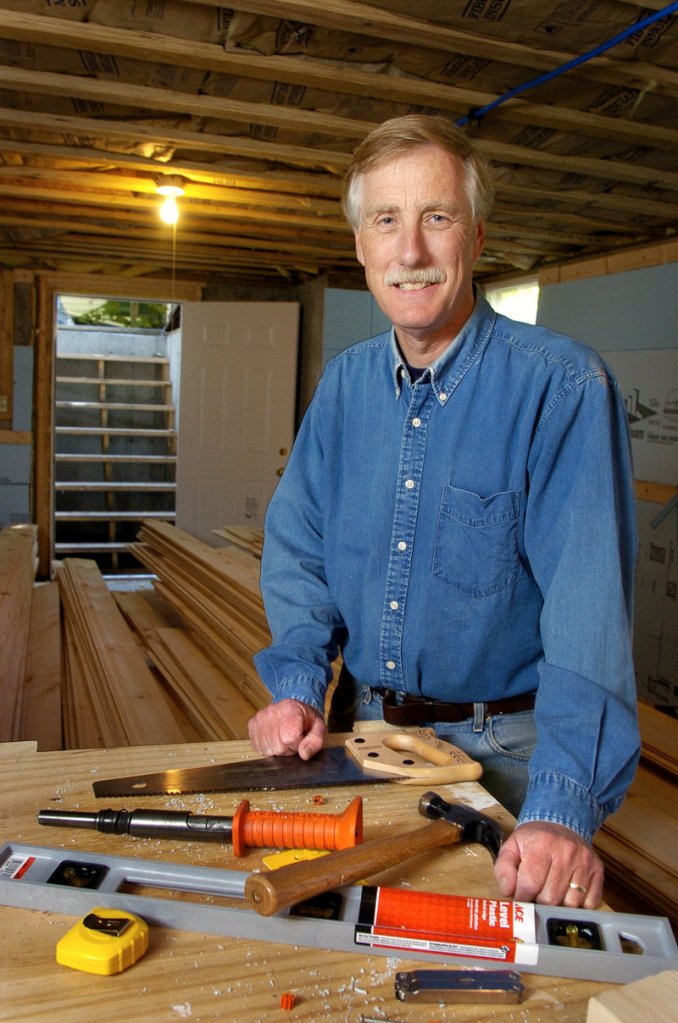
[(415, 757)]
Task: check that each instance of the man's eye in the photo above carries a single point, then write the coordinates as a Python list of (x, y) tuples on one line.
[(385, 221)]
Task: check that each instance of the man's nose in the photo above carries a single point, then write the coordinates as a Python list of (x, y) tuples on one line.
[(412, 248)]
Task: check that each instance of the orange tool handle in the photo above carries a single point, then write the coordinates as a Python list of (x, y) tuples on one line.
[(272, 829)]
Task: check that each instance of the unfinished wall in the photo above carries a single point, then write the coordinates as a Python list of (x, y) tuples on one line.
[(26, 366), (16, 398)]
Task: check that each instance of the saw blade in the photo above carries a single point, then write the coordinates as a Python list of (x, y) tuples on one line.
[(331, 766)]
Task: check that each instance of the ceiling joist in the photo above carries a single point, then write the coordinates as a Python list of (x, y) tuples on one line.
[(258, 104)]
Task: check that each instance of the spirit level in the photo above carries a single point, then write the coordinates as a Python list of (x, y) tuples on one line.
[(457, 930)]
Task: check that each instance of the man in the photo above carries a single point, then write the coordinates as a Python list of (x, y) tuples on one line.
[(457, 517)]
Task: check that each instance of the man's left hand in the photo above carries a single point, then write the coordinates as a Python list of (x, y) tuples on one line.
[(548, 863)]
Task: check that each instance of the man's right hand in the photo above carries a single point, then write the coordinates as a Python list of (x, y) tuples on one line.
[(288, 727)]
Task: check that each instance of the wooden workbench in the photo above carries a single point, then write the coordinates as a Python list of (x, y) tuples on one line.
[(226, 979)]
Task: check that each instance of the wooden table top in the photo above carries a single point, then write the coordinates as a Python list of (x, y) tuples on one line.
[(221, 978)]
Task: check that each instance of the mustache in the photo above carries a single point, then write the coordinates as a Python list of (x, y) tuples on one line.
[(422, 275)]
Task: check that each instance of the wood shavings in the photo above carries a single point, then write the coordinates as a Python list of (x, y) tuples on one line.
[(183, 1010)]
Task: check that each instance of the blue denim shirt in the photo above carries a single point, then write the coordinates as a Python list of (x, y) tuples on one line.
[(468, 537)]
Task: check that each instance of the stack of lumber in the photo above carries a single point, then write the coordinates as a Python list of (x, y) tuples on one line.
[(215, 591), (84, 667), (638, 843), (659, 734), (169, 664), (249, 539), (111, 698), (41, 703), (30, 665), (210, 701), (17, 573)]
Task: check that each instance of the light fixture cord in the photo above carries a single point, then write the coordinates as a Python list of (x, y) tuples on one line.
[(174, 259)]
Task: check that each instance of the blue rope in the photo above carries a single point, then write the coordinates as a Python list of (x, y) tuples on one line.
[(477, 115)]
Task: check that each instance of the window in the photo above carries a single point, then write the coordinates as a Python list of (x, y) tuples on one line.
[(517, 300), (76, 310)]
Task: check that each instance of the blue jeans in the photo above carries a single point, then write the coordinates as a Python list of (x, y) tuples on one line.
[(502, 743)]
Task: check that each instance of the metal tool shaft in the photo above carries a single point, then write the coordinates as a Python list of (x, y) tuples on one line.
[(144, 823), (258, 828)]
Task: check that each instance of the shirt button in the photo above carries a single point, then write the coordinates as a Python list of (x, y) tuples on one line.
[(394, 605), (402, 546), (390, 665), (443, 397), (416, 421), (409, 484)]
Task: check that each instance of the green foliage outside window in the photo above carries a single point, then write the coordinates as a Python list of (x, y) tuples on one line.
[(113, 312)]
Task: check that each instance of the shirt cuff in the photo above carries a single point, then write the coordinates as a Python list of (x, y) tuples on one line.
[(557, 799), (304, 688)]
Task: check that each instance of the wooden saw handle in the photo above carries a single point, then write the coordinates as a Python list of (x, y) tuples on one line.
[(269, 893), (414, 756)]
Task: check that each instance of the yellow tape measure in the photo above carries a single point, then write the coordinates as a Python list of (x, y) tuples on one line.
[(106, 941)]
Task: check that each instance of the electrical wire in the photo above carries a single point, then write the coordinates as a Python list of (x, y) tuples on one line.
[(639, 26)]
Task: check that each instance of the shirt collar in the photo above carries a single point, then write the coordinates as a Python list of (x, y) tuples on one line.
[(447, 370)]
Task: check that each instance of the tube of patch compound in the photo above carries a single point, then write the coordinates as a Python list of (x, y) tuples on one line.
[(456, 925)]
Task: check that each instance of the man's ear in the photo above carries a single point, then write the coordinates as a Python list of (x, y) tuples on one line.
[(359, 249)]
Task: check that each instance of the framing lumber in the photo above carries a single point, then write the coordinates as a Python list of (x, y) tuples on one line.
[(128, 706), (212, 702), (638, 842), (40, 716), (145, 612), (659, 734), (647, 822), (80, 727), (250, 540), (18, 551), (216, 593), (314, 73), (353, 16)]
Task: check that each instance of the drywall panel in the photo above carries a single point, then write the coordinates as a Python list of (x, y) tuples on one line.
[(22, 418), (636, 309), (649, 381), (350, 316)]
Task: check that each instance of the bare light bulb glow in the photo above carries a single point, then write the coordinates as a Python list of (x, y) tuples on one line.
[(169, 211)]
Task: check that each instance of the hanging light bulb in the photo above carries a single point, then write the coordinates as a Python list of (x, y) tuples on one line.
[(171, 189), (169, 211)]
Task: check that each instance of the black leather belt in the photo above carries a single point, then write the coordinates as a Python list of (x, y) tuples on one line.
[(403, 709)]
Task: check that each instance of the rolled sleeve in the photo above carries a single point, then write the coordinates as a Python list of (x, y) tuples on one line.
[(586, 756)]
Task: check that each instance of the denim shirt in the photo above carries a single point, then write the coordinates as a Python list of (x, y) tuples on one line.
[(468, 537)]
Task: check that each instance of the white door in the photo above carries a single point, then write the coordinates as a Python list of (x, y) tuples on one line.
[(236, 411)]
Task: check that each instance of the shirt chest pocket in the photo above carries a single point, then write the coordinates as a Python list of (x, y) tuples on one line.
[(476, 547)]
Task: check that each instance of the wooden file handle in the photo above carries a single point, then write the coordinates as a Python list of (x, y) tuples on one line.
[(271, 892)]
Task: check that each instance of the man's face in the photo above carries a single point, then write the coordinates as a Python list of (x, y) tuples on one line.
[(418, 244)]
